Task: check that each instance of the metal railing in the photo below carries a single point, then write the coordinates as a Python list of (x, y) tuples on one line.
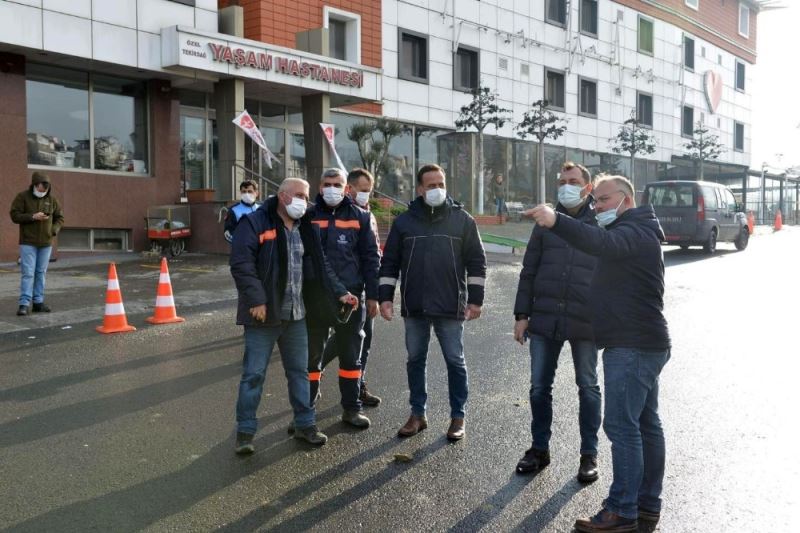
[(264, 184), (394, 200)]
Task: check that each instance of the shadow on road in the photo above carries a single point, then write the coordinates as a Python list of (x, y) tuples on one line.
[(677, 256), (49, 387), (493, 506), (545, 514)]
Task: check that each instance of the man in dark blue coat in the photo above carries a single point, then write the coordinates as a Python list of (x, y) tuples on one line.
[(552, 306), (282, 277), (248, 203), (352, 250), (627, 310), (435, 250)]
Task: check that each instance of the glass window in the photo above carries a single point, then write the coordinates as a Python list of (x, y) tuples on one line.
[(337, 38), (670, 195), (738, 136), (297, 162), (554, 157), (688, 52), (694, 4), (458, 158), (58, 117), (192, 98), (273, 112), (396, 176), (426, 146), (193, 153), (740, 76), (709, 197), (120, 124), (645, 35), (466, 70), (687, 121), (554, 89), (744, 20), (588, 97), (556, 11), (644, 109), (413, 64), (295, 115), (276, 141), (589, 17), (496, 154)]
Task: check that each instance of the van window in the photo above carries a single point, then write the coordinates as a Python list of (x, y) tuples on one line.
[(671, 195), (710, 197)]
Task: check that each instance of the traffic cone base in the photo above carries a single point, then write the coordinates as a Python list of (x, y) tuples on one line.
[(114, 320), (165, 305)]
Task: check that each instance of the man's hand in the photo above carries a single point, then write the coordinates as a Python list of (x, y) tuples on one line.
[(520, 327), (259, 312), (473, 311), (542, 215), (40, 216), (387, 310), (349, 299), (372, 308)]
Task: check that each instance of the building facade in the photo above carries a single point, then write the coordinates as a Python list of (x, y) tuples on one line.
[(128, 104)]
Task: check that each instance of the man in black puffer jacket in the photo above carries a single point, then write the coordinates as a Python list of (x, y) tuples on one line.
[(436, 251), (282, 277), (627, 309), (552, 306)]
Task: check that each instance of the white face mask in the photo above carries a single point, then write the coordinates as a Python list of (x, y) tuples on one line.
[(297, 208), (248, 198), (570, 195), (333, 196), (362, 199), (39, 194), (435, 197), (607, 217)]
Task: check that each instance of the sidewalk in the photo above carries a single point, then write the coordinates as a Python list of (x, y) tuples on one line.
[(76, 288)]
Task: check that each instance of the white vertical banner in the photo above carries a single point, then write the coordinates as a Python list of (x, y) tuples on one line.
[(248, 125), (330, 131)]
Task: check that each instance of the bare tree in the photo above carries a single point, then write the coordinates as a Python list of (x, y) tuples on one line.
[(481, 112), (633, 139), (703, 147), (542, 124), (373, 140)]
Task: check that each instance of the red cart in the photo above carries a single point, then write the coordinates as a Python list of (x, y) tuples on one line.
[(168, 225)]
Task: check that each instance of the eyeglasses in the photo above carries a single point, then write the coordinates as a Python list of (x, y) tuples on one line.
[(606, 197)]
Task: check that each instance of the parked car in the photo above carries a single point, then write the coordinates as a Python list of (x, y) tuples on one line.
[(697, 213)]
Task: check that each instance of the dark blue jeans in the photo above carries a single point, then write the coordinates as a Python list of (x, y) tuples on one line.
[(450, 333), (258, 344), (544, 361), (330, 353), (633, 426)]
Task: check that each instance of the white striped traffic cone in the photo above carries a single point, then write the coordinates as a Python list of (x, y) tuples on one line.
[(165, 305), (114, 320)]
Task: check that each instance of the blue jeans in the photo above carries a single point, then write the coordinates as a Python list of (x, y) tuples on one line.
[(632, 425), (500, 204), (544, 361), (258, 344), (33, 264), (450, 333)]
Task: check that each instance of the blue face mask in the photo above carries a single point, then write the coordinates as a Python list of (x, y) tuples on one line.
[(607, 217), (570, 195)]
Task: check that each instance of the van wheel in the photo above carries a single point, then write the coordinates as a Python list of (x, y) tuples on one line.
[(711, 243), (743, 239)]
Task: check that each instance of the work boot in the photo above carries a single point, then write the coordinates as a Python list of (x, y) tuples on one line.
[(649, 516), (367, 398), (587, 471), (355, 418), (606, 521), (414, 425), (311, 435), (244, 443), (456, 429), (22, 311), (41, 308), (533, 460)]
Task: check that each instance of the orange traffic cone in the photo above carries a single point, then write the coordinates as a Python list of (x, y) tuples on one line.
[(165, 305), (778, 221), (114, 320), (751, 222)]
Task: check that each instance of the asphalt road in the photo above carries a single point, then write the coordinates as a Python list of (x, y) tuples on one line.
[(134, 432)]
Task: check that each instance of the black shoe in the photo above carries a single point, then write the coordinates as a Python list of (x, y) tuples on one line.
[(356, 419), (607, 521), (41, 308), (244, 443), (587, 471), (649, 516), (311, 435), (367, 398), (533, 460), (290, 429), (22, 311)]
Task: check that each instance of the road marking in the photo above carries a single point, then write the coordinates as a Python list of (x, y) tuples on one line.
[(199, 270), (155, 267), (4, 271)]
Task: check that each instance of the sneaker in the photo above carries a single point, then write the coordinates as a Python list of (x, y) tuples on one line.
[(606, 521), (41, 308), (533, 460), (244, 443), (356, 419), (367, 398), (311, 435), (649, 516), (22, 311), (587, 471)]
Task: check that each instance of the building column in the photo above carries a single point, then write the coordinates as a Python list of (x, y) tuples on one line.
[(316, 109), (15, 176)]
